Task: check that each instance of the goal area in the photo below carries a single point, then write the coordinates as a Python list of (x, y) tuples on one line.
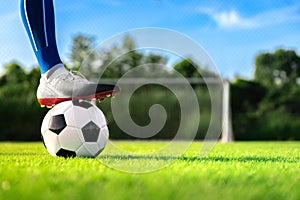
[(164, 108)]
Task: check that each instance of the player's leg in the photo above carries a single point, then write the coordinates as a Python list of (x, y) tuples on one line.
[(38, 18), (57, 84)]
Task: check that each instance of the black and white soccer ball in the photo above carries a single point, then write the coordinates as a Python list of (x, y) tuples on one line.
[(74, 128)]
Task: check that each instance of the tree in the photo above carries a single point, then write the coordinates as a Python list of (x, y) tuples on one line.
[(116, 61), (14, 73), (82, 47), (246, 95), (21, 114), (155, 65), (113, 62), (269, 104), (188, 68), (279, 67), (33, 77), (128, 44)]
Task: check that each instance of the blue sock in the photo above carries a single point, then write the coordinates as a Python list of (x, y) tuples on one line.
[(38, 19)]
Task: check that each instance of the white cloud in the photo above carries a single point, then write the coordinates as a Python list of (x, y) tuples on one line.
[(233, 20)]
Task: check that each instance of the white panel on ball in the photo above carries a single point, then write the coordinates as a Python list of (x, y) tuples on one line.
[(51, 142), (70, 138), (97, 116), (81, 116), (93, 148), (62, 108), (103, 138), (83, 152)]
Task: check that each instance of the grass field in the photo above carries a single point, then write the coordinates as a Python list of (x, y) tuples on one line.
[(254, 170)]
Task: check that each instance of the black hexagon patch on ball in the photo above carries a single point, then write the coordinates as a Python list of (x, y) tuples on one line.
[(82, 104), (90, 132), (57, 123)]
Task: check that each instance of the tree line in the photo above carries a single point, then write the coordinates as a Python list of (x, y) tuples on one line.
[(265, 107)]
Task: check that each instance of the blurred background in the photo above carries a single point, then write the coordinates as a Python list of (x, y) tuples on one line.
[(254, 44)]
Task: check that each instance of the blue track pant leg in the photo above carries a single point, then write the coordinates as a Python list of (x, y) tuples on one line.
[(38, 19)]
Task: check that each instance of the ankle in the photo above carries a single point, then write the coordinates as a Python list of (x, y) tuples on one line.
[(54, 71)]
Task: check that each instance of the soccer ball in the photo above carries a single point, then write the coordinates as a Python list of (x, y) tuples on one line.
[(74, 128)]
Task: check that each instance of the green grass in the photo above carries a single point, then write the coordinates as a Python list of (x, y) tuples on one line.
[(254, 170)]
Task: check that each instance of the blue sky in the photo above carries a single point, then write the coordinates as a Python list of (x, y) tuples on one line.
[(231, 32)]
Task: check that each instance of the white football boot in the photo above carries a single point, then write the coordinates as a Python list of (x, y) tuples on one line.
[(59, 85)]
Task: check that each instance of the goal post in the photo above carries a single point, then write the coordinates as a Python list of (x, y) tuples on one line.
[(227, 135)]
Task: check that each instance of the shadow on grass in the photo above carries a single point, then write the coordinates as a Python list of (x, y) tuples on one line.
[(260, 159), (22, 154), (244, 159)]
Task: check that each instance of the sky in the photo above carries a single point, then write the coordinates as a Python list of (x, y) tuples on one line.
[(231, 32)]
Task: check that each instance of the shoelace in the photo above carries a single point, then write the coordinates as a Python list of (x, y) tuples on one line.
[(75, 75)]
